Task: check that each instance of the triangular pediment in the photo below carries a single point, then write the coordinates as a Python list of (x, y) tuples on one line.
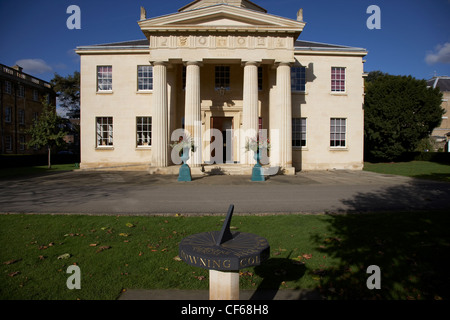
[(221, 17), (207, 3)]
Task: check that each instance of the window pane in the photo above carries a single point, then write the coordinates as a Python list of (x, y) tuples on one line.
[(143, 131), (104, 131), (145, 78)]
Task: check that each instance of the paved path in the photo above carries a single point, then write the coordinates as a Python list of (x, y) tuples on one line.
[(103, 192)]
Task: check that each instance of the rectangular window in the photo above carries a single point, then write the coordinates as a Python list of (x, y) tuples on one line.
[(338, 131), (104, 78), (145, 78), (35, 95), (298, 79), (8, 89), (104, 131), (8, 111), (299, 132), (222, 78), (337, 79), (21, 116), (22, 143), (143, 131), (21, 92), (8, 143)]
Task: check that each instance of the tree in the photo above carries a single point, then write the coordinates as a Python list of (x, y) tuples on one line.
[(47, 130), (68, 93), (399, 112)]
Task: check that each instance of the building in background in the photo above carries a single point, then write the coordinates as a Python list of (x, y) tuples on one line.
[(441, 134), (20, 104), (226, 65)]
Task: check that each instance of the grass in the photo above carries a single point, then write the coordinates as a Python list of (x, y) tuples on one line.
[(7, 173), (329, 253), (416, 169)]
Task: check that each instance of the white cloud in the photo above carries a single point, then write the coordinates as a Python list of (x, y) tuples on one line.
[(34, 66), (441, 54)]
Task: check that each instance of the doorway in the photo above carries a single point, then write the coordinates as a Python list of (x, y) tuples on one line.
[(225, 126)]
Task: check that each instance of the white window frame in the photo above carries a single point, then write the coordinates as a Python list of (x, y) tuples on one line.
[(21, 116), (337, 81), (105, 132), (8, 87), (338, 133), (143, 132), (144, 78), (104, 79), (21, 91), (8, 143), (8, 114)]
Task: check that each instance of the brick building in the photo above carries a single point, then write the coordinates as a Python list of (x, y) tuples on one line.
[(20, 103)]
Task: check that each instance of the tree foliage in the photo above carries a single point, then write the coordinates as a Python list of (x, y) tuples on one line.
[(47, 130), (68, 92), (400, 111)]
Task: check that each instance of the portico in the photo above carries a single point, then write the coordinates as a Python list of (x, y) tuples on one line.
[(192, 45)]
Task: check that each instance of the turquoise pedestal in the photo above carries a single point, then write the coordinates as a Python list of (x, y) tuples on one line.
[(257, 172), (185, 171)]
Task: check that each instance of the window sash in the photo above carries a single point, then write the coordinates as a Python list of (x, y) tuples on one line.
[(143, 131), (338, 132), (222, 77), (104, 78), (105, 132), (299, 132), (145, 78), (298, 79), (337, 79)]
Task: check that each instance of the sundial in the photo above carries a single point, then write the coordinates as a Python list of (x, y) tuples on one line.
[(224, 253)]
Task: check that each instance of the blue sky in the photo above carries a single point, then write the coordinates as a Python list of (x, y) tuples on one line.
[(414, 38)]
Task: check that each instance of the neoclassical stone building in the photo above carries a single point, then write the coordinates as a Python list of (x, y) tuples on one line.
[(226, 65)]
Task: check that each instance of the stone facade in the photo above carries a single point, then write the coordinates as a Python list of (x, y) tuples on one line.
[(229, 66)]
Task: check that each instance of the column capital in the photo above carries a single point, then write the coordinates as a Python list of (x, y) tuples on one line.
[(284, 64), (251, 63), (159, 63), (193, 63)]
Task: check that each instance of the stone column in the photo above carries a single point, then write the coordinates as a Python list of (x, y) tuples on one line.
[(192, 117), (160, 140), (285, 108), (250, 109)]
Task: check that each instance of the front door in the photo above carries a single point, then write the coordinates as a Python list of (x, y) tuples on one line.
[(225, 126)]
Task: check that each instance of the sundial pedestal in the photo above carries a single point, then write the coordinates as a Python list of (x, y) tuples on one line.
[(224, 253), (223, 285)]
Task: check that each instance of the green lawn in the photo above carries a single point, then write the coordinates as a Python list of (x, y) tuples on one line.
[(417, 169), (7, 173), (329, 253)]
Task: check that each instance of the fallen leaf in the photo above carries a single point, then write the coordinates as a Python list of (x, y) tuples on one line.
[(129, 225), (12, 274), (64, 256), (307, 256), (102, 248), (41, 257), (93, 245), (123, 234), (177, 258), (11, 261)]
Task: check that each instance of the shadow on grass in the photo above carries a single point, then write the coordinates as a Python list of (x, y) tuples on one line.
[(274, 271), (411, 245)]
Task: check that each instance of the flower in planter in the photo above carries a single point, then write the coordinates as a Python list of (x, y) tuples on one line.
[(184, 143), (255, 144)]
